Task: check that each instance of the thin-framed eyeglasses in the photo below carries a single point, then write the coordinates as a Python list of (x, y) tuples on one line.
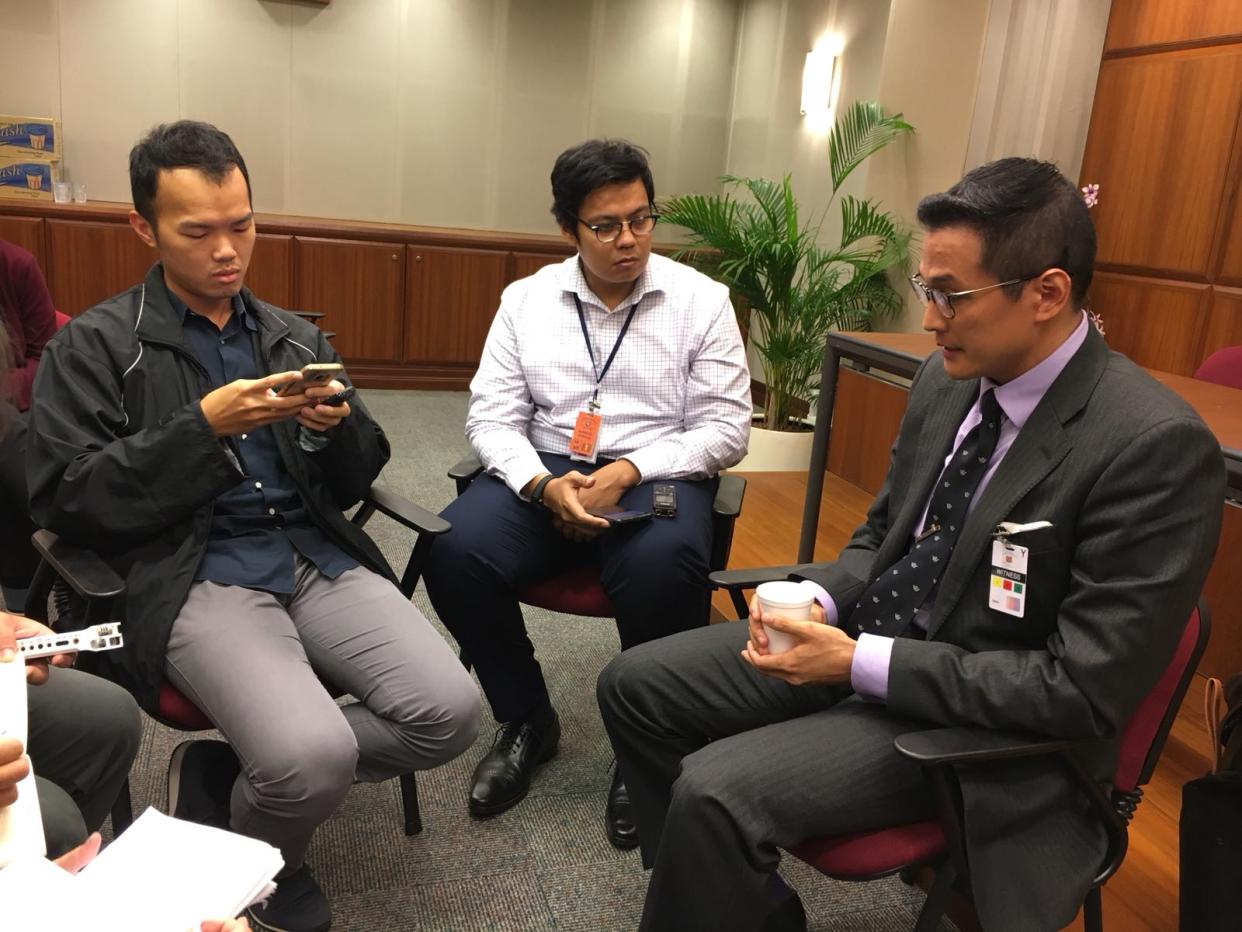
[(944, 299), (607, 232)]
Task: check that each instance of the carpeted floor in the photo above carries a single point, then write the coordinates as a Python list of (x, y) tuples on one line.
[(545, 864)]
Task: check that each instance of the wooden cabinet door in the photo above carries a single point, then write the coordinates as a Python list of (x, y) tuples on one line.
[(92, 261), (271, 269), (1159, 147), (26, 232), (359, 288), (528, 263), (450, 302)]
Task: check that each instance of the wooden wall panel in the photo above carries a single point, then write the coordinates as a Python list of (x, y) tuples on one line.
[(1224, 653), (1224, 322), (865, 421), (358, 286), (270, 275), (1134, 23), (1159, 147), (451, 300), (528, 263), (26, 232), (92, 261), (1157, 323), (1230, 271)]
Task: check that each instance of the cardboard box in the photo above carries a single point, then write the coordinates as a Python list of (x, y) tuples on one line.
[(29, 136), (28, 179)]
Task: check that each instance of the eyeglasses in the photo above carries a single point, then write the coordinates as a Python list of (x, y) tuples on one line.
[(944, 299), (607, 232)]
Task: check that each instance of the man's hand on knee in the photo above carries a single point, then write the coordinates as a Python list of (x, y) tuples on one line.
[(561, 497), (611, 482)]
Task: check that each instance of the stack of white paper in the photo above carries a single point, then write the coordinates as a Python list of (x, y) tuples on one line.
[(162, 875)]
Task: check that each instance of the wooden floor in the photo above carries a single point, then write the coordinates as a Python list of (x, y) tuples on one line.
[(1142, 896)]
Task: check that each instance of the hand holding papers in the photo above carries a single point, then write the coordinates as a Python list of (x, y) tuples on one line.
[(162, 875)]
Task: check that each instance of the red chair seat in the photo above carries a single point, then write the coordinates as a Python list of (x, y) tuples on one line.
[(862, 855), (179, 712), (577, 592)]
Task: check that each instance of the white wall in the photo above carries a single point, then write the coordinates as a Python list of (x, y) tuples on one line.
[(769, 137), (450, 112), (434, 112)]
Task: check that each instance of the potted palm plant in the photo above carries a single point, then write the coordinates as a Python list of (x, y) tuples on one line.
[(797, 289)]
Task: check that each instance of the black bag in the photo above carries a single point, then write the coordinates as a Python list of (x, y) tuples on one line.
[(1211, 854), (1211, 822)]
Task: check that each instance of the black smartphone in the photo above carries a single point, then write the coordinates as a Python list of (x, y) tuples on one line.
[(340, 397), (615, 514)]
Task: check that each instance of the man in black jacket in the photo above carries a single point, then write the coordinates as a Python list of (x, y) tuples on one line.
[(159, 440)]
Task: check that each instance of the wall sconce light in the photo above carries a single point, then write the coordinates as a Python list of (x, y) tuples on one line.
[(821, 82)]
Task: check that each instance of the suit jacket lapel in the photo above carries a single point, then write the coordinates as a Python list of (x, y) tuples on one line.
[(1041, 444)]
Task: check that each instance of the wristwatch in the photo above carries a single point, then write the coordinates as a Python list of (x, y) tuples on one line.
[(536, 494)]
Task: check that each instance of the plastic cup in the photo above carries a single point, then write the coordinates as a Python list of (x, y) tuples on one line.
[(79, 192), (788, 599), (61, 192)]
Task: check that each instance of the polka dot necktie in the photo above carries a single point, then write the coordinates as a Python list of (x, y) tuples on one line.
[(890, 602)]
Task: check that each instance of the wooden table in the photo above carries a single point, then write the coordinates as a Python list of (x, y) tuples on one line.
[(901, 354)]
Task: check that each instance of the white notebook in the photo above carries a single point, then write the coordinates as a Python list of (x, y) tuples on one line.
[(161, 875)]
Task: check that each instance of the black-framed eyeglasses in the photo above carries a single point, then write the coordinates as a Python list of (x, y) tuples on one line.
[(944, 299), (607, 232)]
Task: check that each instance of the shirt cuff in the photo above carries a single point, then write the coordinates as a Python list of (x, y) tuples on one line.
[(651, 465), (826, 602), (869, 671), (517, 472)]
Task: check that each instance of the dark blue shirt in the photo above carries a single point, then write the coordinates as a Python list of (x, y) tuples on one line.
[(258, 524)]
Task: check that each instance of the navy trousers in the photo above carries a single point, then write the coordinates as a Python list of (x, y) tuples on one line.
[(654, 572)]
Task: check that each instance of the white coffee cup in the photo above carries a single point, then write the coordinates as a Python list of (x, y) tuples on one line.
[(789, 600)]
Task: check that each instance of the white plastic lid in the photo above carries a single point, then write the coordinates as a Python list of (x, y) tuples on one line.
[(785, 594)]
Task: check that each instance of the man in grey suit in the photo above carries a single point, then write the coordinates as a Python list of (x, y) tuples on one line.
[(1024, 416)]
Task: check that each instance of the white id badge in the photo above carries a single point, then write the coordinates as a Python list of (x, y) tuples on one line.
[(1007, 591)]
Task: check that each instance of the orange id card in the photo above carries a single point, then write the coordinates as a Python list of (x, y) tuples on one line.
[(586, 435)]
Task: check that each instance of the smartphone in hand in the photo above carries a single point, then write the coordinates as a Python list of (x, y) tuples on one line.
[(316, 373), (616, 515), (339, 398)]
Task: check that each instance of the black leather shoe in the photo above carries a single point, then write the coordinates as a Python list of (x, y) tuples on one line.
[(503, 776), (619, 817), (201, 775), (298, 905)]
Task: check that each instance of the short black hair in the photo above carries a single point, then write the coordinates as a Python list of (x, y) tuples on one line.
[(184, 144), (1030, 217), (589, 166)]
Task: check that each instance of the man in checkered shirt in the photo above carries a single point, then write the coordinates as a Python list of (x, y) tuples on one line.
[(638, 360)]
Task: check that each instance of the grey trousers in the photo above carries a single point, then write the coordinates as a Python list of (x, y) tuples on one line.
[(82, 738), (725, 766), (256, 665)]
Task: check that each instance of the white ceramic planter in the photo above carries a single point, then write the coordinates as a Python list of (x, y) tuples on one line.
[(776, 451)]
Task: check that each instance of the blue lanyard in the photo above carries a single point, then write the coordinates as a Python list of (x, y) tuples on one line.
[(599, 376)]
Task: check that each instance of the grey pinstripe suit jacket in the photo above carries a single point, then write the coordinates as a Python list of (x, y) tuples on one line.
[(1132, 481)]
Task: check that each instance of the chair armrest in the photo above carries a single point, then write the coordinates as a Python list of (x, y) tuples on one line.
[(971, 745), (466, 468), (84, 572), (405, 512), (729, 494), (749, 578)]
